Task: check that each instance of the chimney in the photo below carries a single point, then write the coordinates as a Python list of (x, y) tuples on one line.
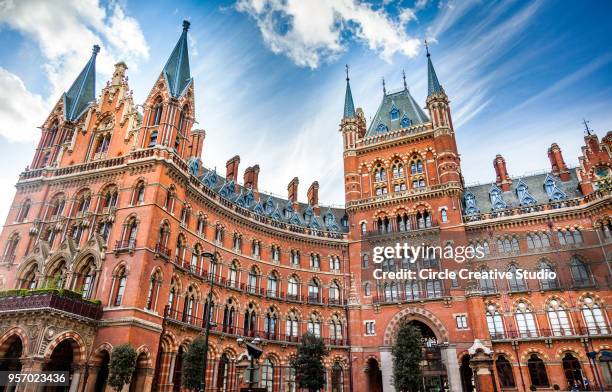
[(231, 168), (251, 176), (197, 142), (292, 191), (501, 173), (559, 168), (313, 197)]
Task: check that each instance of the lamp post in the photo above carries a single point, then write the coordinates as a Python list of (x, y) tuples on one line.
[(213, 258), (254, 354)]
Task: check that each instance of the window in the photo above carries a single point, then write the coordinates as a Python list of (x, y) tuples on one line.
[(365, 261), (292, 288), (334, 293), (275, 253), (233, 274), (412, 290), (369, 328), (272, 285), (461, 321), (364, 228), (444, 215), (291, 328), (315, 260), (201, 226), (252, 284), (525, 321), (593, 317), (495, 322), (337, 378), (156, 112), (229, 316), (537, 371), (313, 291), (219, 234), (314, 325), (237, 244), (504, 372), (11, 248), (255, 248), (169, 202), (487, 284), (295, 257), (367, 289), (138, 194), (514, 283), (580, 273), (267, 375), (185, 213), (558, 318), (23, 211), (335, 329), (270, 322), (223, 373), (250, 320), (334, 263), (547, 282), (120, 281)]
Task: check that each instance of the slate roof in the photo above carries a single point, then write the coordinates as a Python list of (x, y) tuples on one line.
[(349, 106), (82, 93), (176, 71), (535, 186), (276, 208), (408, 109), (433, 85)]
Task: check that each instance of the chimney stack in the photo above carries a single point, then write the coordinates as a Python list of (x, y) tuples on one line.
[(559, 168), (197, 142), (231, 168), (251, 177), (292, 191), (313, 197), (501, 173)]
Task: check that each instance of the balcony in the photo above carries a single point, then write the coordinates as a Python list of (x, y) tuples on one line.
[(125, 245), (559, 333), (62, 300), (395, 230)]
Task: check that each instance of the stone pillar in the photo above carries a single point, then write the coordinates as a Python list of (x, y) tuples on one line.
[(482, 365), (449, 358), (386, 368), (77, 378), (31, 365), (92, 377)]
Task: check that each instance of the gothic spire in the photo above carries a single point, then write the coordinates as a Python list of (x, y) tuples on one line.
[(176, 71), (83, 90), (349, 107), (432, 79)]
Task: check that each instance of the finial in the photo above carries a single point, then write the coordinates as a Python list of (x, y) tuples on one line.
[(186, 25), (347, 72), (96, 49), (384, 87), (427, 48), (404, 77), (587, 130)]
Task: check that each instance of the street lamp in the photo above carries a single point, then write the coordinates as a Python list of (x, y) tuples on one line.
[(213, 258), (254, 353)]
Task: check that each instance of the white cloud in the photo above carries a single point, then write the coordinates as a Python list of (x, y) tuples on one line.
[(311, 32), (65, 32), (21, 111)]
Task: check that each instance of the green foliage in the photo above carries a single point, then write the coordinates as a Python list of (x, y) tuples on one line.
[(407, 355), (121, 366), (308, 363), (193, 365), (60, 292)]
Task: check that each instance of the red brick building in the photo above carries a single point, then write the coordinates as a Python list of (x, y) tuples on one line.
[(117, 206)]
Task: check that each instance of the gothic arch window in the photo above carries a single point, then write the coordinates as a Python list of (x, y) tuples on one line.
[(367, 289), (169, 200), (29, 280), (487, 284), (412, 290), (119, 282), (233, 274), (538, 241), (594, 317), (189, 305), (504, 372), (56, 275), (293, 288), (156, 112), (172, 298), (197, 260), (335, 329), (537, 371), (82, 201), (253, 280), (581, 275), (381, 128), (334, 263), (558, 318), (270, 323), (525, 320), (495, 322), (334, 292), (237, 242), (315, 260), (314, 291), (52, 135), (276, 253), (24, 210), (201, 224), (229, 316), (391, 292), (109, 197), (364, 228), (250, 320), (267, 375), (164, 235), (314, 325), (292, 325), (398, 169), (185, 214), (405, 122), (180, 250), (154, 285), (223, 373), (129, 233), (394, 113), (85, 278), (10, 251), (444, 215), (273, 284), (295, 257), (365, 260), (515, 284), (547, 282), (380, 173), (138, 193), (256, 248)]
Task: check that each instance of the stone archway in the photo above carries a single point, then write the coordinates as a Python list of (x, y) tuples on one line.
[(418, 314), (373, 376)]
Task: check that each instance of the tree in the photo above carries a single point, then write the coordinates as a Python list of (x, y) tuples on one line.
[(308, 363), (121, 366), (193, 364), (407, 355)]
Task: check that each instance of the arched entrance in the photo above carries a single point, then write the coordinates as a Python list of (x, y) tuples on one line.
[(102, 376), (374, 376), (61, 360), (177, 374), (140, 373), (11, 359), (573, 371), (433, 368), (467, 382)]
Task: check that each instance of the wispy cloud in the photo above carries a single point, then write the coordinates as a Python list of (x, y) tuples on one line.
[(311, 32)]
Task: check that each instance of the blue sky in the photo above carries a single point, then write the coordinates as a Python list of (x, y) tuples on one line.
[(269, 74)]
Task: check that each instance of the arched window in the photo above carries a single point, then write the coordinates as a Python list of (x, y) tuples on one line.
[(504, 372), (487, 284), (29, 280), (515, 284), (270, 323), (267, 375), (233, 274), (185, 214), (337, 378), (364, 228), (154, 286), (594, 318), (573, 371), (365, 261), (201, 225), (156, 112), (292, 289), (444, 215), (525, 321), (223, 373), (495, 323), (335, 330), (252, 283), (367, 289), (412, 290), (273, 285), (172, 303), (169, 201), (334, 263), (547, 282), (250, 320), (23, 211), (229, 316), (129, 233), (334, 293), (313, 292), (315, 260), (291, 328), (314, 325), (56, 206), (10, 251), (295, 257), (138, 194), (537, 371), (85, 278), (189, 305), (119, 282), (558, 318), (580, 273), (83, 200), (56, 275)]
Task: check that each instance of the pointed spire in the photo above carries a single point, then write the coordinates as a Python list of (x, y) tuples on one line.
[(404, 77), (83, 90), (349, 107), (587, 130), (432, 79), (176, 71), (384, 87)]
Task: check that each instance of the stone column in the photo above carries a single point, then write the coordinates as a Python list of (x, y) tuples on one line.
[(482, 365), (31, 365), (77, 377), (449, 358), (386, 368)]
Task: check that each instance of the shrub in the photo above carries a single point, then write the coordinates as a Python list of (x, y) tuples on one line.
[(121, 366)]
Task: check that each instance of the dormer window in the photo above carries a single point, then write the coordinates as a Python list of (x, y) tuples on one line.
[(394, 113), (381, 128), (405, 122)]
